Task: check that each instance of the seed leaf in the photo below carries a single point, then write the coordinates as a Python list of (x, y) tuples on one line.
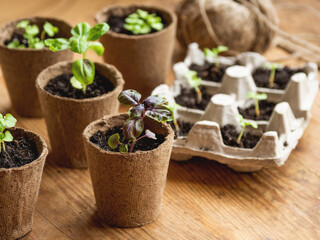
[(7, 137), (23, 24), (123, 148), (84, 71), (75, 83), (50, 29), (114, 141), (9, 120)]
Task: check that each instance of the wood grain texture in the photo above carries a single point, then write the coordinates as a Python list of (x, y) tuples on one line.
[(202, 199)]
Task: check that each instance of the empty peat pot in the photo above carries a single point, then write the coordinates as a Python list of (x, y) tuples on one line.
[(19, 190), (21, 67), (144, 60), (128, 187), (66, 117)]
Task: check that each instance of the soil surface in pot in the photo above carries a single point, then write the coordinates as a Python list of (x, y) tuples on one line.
[(19, 152), (230, 134), (281, 79), (61, 86), (117, 23), (184, 128), (209, 71), (145, 144), (265, 107), (188, 98)]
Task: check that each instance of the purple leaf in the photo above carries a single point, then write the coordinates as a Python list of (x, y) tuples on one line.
[(129, 97), (136, 111), (133, 128), (154, 100), (161, 113), (150, 134)]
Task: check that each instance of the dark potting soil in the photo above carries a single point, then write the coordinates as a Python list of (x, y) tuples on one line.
[(281, 79), (61, 86), (230, 135), (19, 152), (188, 98), (265, 107), (184, 128), (209, 71), (117, 23), (145, 144), (19, 37)]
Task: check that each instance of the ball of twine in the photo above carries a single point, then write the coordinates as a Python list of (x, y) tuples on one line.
[(226, 22)]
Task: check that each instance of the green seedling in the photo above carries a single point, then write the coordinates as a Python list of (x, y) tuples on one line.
[(195, 82), (153, 107), (273, 67), (214, 52), (31, 31), (244, 124), (7, 121), (257, 97), (141, 22), (83, 38)]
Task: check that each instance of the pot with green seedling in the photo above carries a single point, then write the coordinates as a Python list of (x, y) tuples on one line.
[(23, 56), (22, 158), (140, 43), (128, 157), (73, 94), (214, 53)]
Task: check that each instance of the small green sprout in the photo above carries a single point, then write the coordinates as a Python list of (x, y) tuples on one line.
[(7, 121), (273, 67), (243, 124), (214, 52), (195, 82), (83, 37), (257, 97), (31, 31), (141, 22)]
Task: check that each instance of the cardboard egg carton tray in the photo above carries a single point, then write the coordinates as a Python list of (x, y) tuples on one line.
[(280, 134)]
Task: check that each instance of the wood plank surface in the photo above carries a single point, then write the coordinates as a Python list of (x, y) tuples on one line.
[(202, 199)]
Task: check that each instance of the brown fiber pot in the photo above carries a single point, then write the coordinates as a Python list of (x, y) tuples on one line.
[(66, 118), (144, 60), (19, 191), (128, 188), (21, 67)]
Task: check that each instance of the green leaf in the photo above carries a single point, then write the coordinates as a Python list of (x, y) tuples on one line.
[(81, 30), (192, 78), (221, 49), (14, 44), (7, 137), (84, 71), (132, 128), (1, 137), (79, 44), (97, 31), (9, 120), (57, 44), (157, 26), (39, 45), (129, 97), (114, 141), (209, 53), (31, 31), (123, 148), (262, 96), (75, 83), (23, 24), (142, 14), (97, 47), (50, 29)]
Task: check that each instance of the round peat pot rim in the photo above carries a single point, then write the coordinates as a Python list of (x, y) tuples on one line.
[(172, 19), (43, 146), (12, 24), (94, 127), (42, 81)]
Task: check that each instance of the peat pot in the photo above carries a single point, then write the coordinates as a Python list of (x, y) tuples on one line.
[(21, 67), (128, 187), (66, 118)]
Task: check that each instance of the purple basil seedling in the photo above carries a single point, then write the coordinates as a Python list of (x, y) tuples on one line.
[(154, 107)]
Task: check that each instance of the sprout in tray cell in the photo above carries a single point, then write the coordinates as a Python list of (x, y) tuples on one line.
[(257, 97), (195, 82), (83, 38), (214, 52), (244, 124), (273, 67)]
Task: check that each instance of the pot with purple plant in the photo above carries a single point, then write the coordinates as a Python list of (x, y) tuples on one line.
[(128, 157)]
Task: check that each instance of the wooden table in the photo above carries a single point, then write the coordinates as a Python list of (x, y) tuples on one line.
[(202, 199)]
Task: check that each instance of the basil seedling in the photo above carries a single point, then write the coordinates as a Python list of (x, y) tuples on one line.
[(257, 97), (214, 52), (153, 107), (273, 67), (7, 121), (81, 41), (195, 82), (243, 124), (31, 31), (141, 22)]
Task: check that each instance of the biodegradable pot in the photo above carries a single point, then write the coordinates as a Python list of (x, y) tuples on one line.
[(19, 191), (20, 67), (66, 118), (128, 187), (144, 60)]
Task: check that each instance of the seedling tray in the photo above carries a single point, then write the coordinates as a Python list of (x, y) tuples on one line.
[(280, 134)]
